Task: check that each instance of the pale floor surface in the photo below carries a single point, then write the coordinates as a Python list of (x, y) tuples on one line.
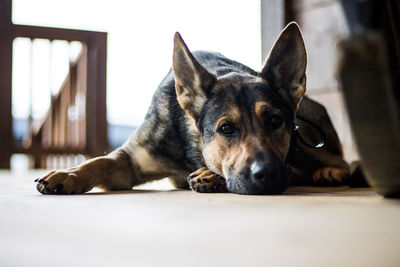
[(304, 227)]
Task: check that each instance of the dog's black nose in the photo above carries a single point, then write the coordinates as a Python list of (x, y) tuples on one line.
[(264, 172), (264, 175)]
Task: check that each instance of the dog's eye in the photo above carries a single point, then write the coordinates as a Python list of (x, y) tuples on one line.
[(274, 122), (227, 129)]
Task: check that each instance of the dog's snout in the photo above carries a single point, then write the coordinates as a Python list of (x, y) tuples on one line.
[(261, 172), (264, 174)]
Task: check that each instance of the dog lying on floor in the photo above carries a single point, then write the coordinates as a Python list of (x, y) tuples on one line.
[(215, 125)]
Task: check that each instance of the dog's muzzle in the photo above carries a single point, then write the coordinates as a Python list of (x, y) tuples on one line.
[(264, 176)]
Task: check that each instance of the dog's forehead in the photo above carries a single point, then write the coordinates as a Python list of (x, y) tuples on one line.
[(237, 96), (242, 94)]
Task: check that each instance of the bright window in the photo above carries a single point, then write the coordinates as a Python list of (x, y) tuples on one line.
[(140, 39)]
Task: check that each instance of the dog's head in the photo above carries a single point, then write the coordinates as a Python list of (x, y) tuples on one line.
[(245, 121)]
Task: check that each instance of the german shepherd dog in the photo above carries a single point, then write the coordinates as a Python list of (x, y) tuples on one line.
[(216, 125)]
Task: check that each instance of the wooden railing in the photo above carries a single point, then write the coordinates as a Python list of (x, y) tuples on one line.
[(63, 130), (76, 120)]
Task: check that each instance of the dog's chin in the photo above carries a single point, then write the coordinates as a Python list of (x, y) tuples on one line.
[(243, 186)]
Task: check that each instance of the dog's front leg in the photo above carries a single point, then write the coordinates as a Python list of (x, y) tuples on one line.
[(205, 181), (111, 172)]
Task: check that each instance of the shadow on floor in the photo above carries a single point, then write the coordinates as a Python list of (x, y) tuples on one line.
[(291, 191), (329, 191)]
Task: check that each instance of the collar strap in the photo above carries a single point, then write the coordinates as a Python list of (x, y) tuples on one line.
[(298, 136)]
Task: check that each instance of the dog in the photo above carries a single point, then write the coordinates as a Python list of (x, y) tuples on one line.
[(216, 125)]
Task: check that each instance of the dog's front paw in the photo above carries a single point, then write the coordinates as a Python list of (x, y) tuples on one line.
[(63, 182), (330, 176), (205, 181)]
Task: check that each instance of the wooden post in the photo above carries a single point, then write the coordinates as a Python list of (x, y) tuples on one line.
[(290, 13), (101, 105), (7, 36), (96, 120), (91, 96)]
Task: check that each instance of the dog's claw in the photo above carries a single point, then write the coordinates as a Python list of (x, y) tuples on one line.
[(205, 181), (43, 189)]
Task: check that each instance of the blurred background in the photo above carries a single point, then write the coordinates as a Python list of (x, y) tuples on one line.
[(72, 94)]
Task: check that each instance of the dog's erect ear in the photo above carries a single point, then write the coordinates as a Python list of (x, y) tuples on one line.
[(193, 83), (286, 65)]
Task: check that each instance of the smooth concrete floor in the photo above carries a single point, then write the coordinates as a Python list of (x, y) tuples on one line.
[(163, 227)]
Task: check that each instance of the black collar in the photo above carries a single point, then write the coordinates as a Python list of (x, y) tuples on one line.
[(297, 136)]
